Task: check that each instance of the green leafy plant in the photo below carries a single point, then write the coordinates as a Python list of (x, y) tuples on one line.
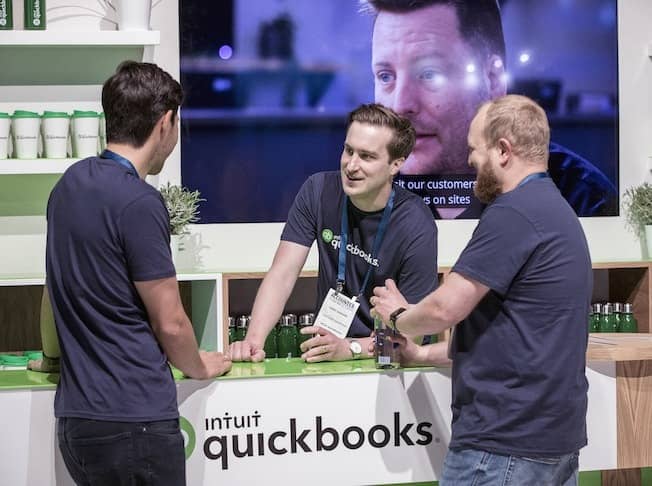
[(637, 203), (182, 205)]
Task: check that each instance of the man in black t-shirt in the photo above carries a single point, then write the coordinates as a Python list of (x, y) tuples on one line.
[(115, 297), (520, 292), (377, 143)]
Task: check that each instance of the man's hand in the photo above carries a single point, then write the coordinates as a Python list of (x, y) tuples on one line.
[(386, 300), (45, 365), (246, 351), (215, 364), (324, 346)]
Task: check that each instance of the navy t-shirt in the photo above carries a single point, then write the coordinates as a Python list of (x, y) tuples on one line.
[(107, 229), (519, 384), (408, 253)]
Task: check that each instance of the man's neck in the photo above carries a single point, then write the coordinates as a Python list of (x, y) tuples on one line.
[(518, 177), (372, 202), (137, 156)]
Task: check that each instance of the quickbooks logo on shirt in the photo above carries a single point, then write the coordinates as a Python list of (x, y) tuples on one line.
[(351, 248), (230, 438), (327, 235)]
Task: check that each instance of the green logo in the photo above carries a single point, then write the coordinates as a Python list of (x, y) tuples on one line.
[(189, 436), (327, 235)]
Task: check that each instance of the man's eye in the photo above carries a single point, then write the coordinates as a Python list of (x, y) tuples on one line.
[(385, 77), (432, 77)]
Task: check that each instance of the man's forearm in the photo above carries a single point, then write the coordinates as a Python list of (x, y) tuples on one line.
[(271, 298), (179, 343), (49, 336)]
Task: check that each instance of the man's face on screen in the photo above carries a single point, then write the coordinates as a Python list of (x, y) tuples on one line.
[(425, 71)]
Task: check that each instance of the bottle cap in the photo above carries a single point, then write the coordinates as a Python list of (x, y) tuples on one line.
[(628, 308)]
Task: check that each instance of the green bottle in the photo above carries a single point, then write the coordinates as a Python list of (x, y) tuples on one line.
[(607, 319), (628, 321), (231, 329), (287, 337), (594, 317), (241, 328), (618, 310), (271, 345), (6, 15), (305, 320)]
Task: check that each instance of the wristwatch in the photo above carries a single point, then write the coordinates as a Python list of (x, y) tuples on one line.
[(356, 348), (394, 315)]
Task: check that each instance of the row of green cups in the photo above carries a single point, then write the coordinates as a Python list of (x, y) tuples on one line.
[(85, 129)]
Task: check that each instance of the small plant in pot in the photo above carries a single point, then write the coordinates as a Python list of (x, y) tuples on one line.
[(637, 203), (183, 208)]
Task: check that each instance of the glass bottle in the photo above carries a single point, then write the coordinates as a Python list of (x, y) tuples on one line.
[(628, 321), (385, 353), (287, 337), (618, 310), (594, 317), (231, 329), (241, 328), (305, 320), (270, 346), (607, 319)]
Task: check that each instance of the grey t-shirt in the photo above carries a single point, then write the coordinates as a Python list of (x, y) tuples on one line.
[(408, 253)]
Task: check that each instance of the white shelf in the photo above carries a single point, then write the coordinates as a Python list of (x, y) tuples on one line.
[(34, 166), (48, 38)]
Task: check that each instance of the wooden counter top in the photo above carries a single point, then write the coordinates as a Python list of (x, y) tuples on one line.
[(619, 347)]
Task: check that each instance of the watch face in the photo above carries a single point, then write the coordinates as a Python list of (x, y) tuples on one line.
[(355, 347)]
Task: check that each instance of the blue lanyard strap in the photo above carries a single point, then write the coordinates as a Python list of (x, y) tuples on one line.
[(109, 154), (344, 239), (531, 177)]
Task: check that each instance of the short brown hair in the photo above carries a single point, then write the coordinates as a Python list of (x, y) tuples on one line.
[(404, 135), (521, 121), (135, 98)]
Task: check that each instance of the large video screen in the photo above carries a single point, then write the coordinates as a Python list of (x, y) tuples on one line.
[(269, 85)]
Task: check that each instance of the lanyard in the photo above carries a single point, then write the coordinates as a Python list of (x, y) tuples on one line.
[(344, 238), (109, 154), (531, 177)]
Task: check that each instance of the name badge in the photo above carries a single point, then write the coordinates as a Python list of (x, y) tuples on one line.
[(337, 313)]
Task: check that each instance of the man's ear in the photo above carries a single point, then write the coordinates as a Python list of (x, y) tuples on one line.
[(396, 165), (495, 74), (504, 147), (165, 123)]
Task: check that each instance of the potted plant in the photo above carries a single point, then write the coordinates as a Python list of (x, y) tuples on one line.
[(183, 209), (637, 203)]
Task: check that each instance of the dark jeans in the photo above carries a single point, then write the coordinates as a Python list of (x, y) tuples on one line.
[(122, 453)]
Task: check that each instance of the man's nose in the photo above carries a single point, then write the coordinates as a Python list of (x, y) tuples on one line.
[(406, 98)]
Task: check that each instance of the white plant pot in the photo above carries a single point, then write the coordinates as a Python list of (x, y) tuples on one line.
[(175, 246), (648, 240)]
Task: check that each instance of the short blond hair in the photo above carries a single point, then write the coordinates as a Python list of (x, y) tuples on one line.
[(523, 122)]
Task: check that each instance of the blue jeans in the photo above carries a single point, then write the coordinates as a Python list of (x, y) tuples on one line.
[(122, 453), (472, 467)]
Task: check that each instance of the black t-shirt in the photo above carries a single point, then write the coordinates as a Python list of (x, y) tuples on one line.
[(408, 253), (107, 229), (519, 384)]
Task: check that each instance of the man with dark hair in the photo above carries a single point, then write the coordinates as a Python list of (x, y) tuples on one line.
[(520, 292), (435, 62), (366, 230), (115, 297)]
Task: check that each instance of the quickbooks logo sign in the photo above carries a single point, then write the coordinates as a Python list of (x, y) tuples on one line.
[(236, 444)]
